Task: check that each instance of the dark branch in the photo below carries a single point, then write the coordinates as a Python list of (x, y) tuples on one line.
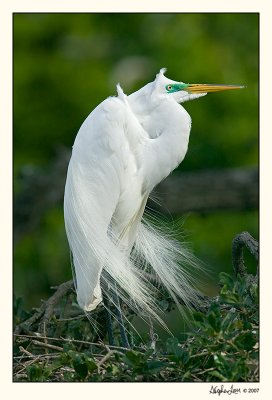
[(201, 191), (47, 309), (51, 303), (240, 241)]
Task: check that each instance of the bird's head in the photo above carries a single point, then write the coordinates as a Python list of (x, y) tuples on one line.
[(182, 92)]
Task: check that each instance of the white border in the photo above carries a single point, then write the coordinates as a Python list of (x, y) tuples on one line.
[(121, 391)]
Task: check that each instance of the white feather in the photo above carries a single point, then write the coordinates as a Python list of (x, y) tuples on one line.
[(126, 146)]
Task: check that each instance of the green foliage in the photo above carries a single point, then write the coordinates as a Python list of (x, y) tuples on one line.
[(222, 346)]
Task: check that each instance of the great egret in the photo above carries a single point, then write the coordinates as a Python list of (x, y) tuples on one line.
[(125, 147)]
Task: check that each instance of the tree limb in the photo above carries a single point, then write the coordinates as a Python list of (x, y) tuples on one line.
[(240, 241), (200, 191)]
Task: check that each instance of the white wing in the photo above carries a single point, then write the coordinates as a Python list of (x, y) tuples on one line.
[(103, 194)]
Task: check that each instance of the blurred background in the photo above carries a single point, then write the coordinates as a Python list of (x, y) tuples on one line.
[(66, 64)]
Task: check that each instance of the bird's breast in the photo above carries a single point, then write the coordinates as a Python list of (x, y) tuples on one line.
[(169, 130)]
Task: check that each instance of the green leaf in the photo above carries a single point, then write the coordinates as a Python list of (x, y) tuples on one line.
[(155, 366), (80, 367), (115, 370), (133, 358), (79, 363), (214, 321), (199, 316), (227, 321), (245, 341), (91, 365), (34, 373), (172, 345)]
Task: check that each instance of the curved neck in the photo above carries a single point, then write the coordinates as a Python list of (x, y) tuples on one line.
[(168, 128)]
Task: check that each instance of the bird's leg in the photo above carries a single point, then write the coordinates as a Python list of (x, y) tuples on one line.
[(111, 297), (109, 323), (119, 318)]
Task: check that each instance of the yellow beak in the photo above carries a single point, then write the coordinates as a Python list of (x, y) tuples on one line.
[(206, 88)]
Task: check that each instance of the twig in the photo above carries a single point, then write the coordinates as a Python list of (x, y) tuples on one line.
[(106, 357), (40, 356), (76, 341), (199, 354), (47, 345), (206, 370), (23, 350), (27, 363), (81, 316)]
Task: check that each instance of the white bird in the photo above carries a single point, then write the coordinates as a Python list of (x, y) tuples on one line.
[(124, 148)]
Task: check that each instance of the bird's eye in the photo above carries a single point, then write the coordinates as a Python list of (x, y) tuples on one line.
[(169, 87)]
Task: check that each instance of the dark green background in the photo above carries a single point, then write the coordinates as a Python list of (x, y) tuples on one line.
[(66, 64)]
